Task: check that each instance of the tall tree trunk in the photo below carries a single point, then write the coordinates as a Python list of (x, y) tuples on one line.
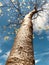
[(22, 51)]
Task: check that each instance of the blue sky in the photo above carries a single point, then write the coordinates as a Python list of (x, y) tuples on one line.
[(7, 31)]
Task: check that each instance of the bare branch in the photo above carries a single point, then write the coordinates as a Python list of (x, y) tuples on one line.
[(13, 4), (16, 7), (5, 2), (44, 3)]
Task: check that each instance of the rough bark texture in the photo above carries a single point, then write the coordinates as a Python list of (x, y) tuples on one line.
[(22, 51)]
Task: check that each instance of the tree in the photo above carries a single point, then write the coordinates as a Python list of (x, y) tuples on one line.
[(22, 53)]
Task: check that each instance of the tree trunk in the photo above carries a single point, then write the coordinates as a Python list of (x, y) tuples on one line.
[(22, 51)]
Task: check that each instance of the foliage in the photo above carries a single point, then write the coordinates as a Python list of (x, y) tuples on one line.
[(14, 11)]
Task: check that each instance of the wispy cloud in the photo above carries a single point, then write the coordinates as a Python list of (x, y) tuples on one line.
[(36, 61), (0, 50), (42, 54), (48, 37), (46, 53), (0, 63), (5, 55)]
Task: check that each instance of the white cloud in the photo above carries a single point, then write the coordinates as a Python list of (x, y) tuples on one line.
[(42, 54), (5, 56), (41, 21), (46, 53), (48, 38), (0, 63), (0, 51), (36, 61)]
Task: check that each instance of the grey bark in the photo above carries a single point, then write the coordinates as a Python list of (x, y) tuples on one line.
[(22, 50)]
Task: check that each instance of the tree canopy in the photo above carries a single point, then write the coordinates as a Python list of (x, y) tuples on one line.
[(12, 13)]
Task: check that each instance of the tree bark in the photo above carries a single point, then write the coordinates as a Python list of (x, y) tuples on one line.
[(22, 51)]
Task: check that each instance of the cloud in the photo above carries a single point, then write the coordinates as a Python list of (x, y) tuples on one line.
[(5, 56), (46, 53), (41, 22), (0, 51), (42, 54), (48, 38), (36, 61), (0, 63)]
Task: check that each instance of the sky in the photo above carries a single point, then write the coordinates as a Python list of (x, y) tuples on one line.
[(13, 13)]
